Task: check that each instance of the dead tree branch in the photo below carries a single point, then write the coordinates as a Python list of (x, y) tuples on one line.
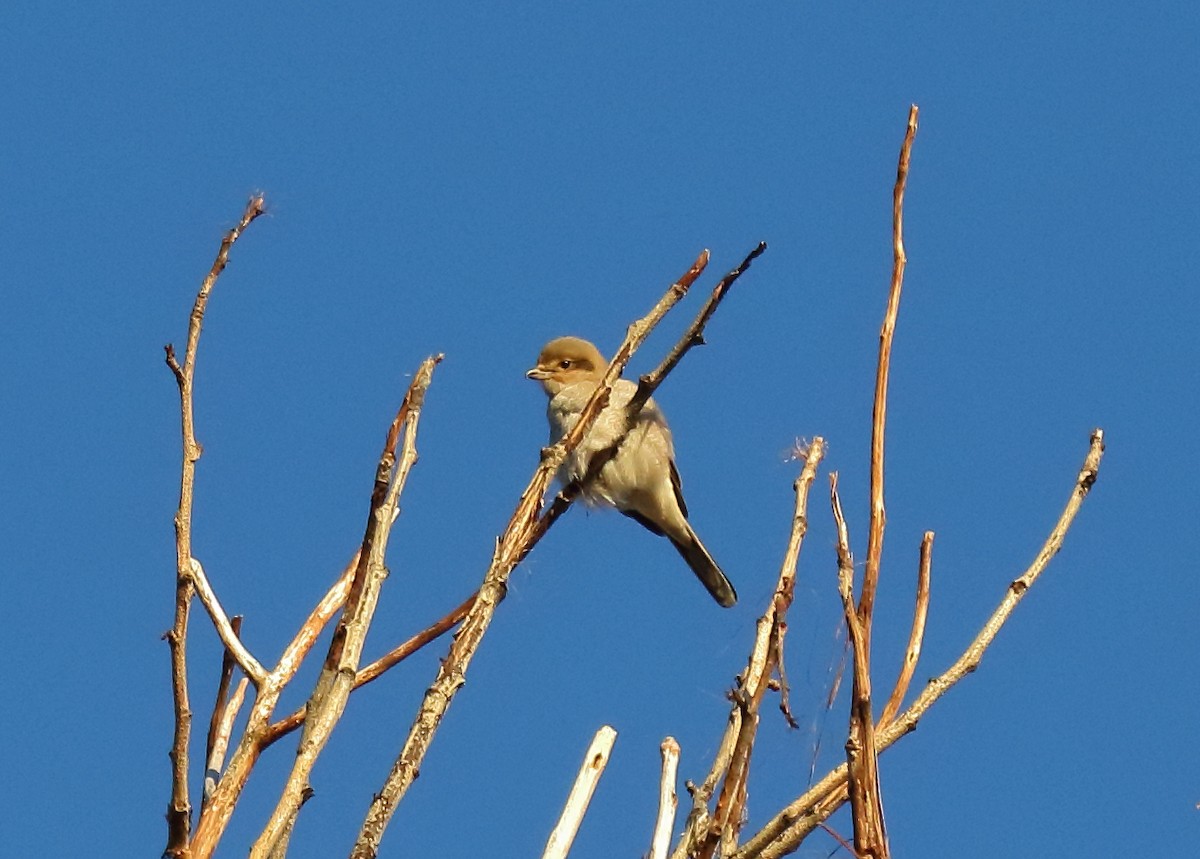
[(257, 734), (866, 801), (668, 801), (703, 832), (916, 635), (179, 809), (328, 700), (787, 829), (594, 762)]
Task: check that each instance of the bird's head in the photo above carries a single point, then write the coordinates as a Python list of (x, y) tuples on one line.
[(565, 361)]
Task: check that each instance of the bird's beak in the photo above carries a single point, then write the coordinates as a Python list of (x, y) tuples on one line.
[(537, 374)]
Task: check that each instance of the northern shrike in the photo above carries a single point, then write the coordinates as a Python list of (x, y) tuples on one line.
[(641, 479)]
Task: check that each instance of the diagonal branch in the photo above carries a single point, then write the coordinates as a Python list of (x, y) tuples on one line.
[(179, 809), (328, 700), (916, 635), (594, 761), (233, 644)]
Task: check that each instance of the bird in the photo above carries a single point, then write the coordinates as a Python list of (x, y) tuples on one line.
[(641, 480)]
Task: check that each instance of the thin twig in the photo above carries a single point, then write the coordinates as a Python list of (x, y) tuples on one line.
[(594, 762), (227, 665), (220, 738), (668, 801), (179, 809), (866, 601), (328, 700), (703, 834), (870, 835), (912, 653), (523, 531), (233, 645), (784, 832)]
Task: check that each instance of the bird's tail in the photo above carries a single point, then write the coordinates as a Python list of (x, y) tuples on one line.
[(705, 568)]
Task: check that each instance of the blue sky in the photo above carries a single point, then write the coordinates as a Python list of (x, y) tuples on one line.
[(476, 178)]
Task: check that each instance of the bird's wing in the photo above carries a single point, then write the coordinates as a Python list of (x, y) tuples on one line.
[(645, 522), (677, 485)]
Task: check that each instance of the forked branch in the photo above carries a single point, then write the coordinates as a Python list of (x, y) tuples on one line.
[(705, 832), (784, 832)]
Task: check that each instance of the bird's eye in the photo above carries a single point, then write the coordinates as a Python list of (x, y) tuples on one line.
[(564, 365)]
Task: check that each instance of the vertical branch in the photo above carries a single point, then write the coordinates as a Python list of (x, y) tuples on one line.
[(179, 809), (668, 802), (328, 700), (866, 803), (866, 601)]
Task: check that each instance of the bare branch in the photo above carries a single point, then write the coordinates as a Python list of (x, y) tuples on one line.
[(703, 834), (668, 802), (784, 832), (233, 645), (870, 836), (328, 700), (594, 762), (220, 738), (221, 698), (912, 654), (870, 582), (179, 810)]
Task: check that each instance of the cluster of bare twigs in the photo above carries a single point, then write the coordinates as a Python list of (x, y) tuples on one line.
[(718, 810), (355, 594)]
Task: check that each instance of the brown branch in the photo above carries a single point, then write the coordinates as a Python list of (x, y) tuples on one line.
[(784, 832), (866, 801), (376, 669), (328, 700), (866, 601), (522, 532), (704, 834), (845, 845), (179, 809), (912, 653)]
